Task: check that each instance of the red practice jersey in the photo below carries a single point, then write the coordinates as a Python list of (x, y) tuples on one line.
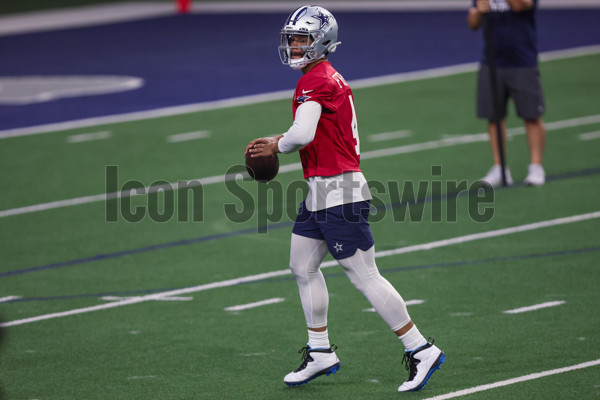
[(335, 148)]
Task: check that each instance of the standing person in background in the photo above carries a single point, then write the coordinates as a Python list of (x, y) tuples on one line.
[(334, 216), (514, 38)]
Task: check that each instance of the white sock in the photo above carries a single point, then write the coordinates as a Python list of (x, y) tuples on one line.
[(412, 339), (318, 340)]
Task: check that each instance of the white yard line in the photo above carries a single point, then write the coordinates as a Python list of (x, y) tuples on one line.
[(87, 137), (8, 298), (120, 298), (534, 307), (589, 135), (284, 272), (272, 96), (392, 151), (255, 304), (512, 381), (407, 302), (381, 137), (184, 137)]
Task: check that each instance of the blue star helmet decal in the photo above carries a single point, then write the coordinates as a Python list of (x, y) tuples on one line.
[(324, 19)]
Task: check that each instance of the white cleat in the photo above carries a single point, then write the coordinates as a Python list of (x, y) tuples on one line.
[(315, 362), (494, 176), (536, 175), (421, 364)]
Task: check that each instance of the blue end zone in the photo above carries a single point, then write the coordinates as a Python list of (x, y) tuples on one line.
[(193, 58)]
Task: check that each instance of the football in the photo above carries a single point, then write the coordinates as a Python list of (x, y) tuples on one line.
[(262, 169)]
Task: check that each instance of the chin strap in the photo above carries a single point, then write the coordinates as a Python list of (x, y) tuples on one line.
[(333, 47)]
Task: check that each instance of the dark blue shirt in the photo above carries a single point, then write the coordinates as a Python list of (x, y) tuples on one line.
[(514, 36)]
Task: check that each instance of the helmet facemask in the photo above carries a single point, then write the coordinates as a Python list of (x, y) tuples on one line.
[(297, 49), (312, 31)]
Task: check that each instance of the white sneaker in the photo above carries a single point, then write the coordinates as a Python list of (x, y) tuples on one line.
[(494, 176), (315, 362), (536, 175), (421, 364)]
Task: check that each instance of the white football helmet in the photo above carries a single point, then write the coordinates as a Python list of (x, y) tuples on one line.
[(320, 30)]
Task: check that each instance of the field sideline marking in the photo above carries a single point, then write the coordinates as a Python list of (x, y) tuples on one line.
[(534, 307), (266, 275), (386, 152), (512, 381), (438, 72)]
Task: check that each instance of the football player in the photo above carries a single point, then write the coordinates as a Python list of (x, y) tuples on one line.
[(334, 216)]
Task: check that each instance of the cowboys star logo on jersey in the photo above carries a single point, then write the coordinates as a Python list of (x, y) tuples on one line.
[(304, 97)]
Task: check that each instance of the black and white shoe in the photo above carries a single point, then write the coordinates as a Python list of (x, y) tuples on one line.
[(315, 362), (421, 364)]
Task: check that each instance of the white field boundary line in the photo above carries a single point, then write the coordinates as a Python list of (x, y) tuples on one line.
[(41, 21), (255, 304), (512, 381), (273, 96), (392, 151), (534, 307), (284, 272)]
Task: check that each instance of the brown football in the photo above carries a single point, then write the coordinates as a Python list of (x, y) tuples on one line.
[(262, 169)]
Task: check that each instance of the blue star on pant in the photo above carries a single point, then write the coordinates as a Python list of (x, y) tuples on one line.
[(338, 247)]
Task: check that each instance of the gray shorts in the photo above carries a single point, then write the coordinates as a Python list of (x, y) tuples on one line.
[(523, 85)]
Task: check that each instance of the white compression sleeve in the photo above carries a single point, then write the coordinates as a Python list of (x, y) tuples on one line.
[(306, 255), (303, 131), (364, 275)]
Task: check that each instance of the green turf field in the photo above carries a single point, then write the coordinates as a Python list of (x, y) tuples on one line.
[(70, 258)]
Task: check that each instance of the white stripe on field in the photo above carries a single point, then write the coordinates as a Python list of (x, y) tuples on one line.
[(87, 137), (8, 298), (184, 137), (410, 148), (589, 136), (266, 275), (407, 302), (255, 304), (119, 298), (534, 307), (272, 96), (483, 235), (512, 381), (380, 137)]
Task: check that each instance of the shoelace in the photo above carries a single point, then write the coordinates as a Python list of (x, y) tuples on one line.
[(306, 358), (410, 363)]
